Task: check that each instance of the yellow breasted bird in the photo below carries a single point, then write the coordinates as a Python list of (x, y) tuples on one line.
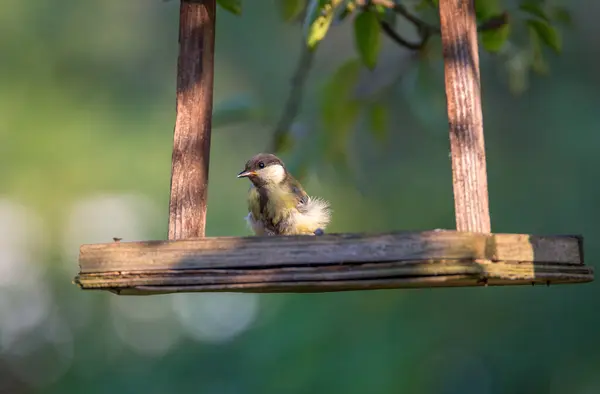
[(277, 203)]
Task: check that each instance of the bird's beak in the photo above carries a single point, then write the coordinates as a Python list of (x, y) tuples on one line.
[(245, 174)]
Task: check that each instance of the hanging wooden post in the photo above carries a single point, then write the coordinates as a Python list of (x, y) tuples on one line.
[(463, 93), (191, 141)]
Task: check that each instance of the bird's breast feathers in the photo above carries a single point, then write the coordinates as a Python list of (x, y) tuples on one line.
[(254, 202)]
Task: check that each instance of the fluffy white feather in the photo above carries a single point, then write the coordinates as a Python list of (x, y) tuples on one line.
[(314, 214), (256, 226)]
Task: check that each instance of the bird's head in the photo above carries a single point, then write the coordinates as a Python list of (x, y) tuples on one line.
[(264, 169)]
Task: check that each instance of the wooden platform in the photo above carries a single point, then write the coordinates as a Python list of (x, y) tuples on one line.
[(336, 262)]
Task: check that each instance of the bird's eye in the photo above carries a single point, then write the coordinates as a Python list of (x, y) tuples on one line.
[(261, 164)]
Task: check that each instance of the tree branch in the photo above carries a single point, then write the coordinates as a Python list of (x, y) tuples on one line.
[(419, 24), (292, 105), (294, 100), (425, 29), (494, 23), (394, 36)]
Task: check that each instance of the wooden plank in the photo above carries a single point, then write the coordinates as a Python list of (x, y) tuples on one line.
[(478, 268), (191, 139), (333, 249), (356, 285), (467, 147), (337, 262), (324, 287)]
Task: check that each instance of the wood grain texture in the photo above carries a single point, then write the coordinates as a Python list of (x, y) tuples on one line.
[(336, 286), (463, 94), (191, 140), (331, 262)]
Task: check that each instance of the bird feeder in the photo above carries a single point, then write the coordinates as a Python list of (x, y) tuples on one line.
[(190, 262)]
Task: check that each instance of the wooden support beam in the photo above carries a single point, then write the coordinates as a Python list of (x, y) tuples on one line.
[(191, 141), (332, 263), (463, 94)]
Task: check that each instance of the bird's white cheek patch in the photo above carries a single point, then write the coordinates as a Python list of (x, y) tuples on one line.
[(274, 173)]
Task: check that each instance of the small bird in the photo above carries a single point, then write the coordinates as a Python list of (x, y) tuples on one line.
[(277, 203)]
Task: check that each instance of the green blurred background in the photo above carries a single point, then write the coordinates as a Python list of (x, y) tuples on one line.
[(87, 107)]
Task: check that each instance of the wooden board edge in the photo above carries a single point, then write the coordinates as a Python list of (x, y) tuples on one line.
[(309, 238), (315, 287), (202, 253)]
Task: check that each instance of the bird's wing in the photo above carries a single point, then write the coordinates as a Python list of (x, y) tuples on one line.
[(313, 212), (301, 196)]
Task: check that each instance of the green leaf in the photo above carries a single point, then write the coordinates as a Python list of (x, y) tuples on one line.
[(367, 37), (379, 8), (233, 6), (342, 83), (339, 107), (426, 4), (538, 63), (318, 19), (493, 40), (562, 15), (345, 10), (291, 9), (547, 33), (339, 130), (485, 9), (378, 120), (535, 9)]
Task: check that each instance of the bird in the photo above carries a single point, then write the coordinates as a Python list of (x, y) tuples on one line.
[(277, 203)]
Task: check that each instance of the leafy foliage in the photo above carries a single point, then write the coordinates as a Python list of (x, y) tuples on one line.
[(319, 16), (494, 40), (340, 109), (546, 33), (291, 9), (233, 6), (367, 37), (516, 37), (378, 119)]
